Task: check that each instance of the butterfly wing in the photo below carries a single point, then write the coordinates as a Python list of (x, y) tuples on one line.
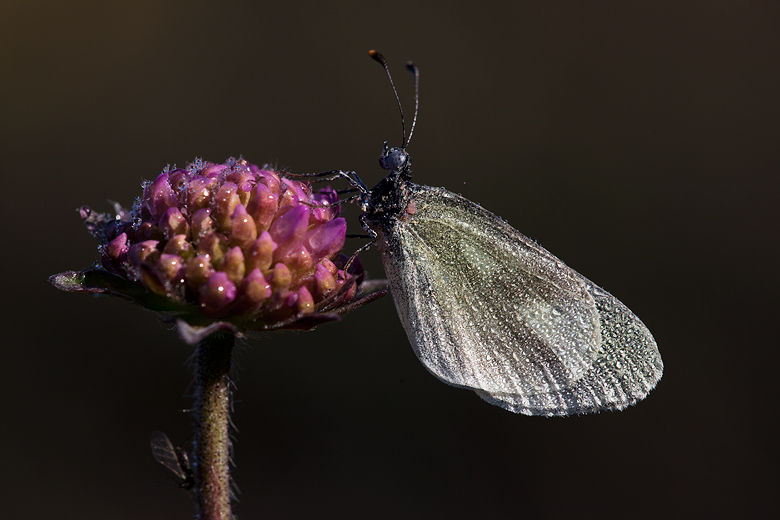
[(488, 309)]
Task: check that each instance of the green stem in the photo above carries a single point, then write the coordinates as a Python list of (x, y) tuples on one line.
[(212, 416)]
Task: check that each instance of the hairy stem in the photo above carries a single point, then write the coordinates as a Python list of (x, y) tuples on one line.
[(212, 416)]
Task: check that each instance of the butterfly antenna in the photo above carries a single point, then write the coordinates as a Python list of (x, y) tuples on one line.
[(414, 70), (381, 59)]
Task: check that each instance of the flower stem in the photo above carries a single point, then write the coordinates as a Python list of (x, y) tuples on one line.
[(212, 416)]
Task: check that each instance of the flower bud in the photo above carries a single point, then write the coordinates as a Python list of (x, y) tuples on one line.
[(326, 240), (330, 266), (324, 279), (299, 260), (116, 250), (170, 267), (253, 291), (305, 303), (271, 180), (199, 192), (243, 227), (215, 246), (280, 278), (239, 173), (173, 223), (198, 272), (158, 196), (226, 201), (178, 180), (148, 231), (294, 193), (143, 252), (263, 206), (217, 294), (329, 198), (213, 170), (202, 224), (289, 230), (154, 281), (259, 254), (245, 183), (180, 246), (233, 265)]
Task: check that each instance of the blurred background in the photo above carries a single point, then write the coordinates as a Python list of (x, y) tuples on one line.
[(638, 143)]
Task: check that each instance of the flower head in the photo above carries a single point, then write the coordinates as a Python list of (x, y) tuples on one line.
[(231, 246)]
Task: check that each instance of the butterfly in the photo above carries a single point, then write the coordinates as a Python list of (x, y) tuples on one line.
[(488, 309)]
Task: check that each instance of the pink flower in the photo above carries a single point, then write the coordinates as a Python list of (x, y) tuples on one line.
[(234, 245)]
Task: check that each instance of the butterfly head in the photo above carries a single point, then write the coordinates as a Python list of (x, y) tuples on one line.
[(395, 159)]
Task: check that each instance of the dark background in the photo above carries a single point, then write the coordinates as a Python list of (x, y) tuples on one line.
[(638, 143)]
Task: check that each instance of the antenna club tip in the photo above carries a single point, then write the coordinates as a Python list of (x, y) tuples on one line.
[(376, 56)]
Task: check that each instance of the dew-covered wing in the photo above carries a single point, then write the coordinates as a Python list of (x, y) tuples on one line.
[(488, 309)]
